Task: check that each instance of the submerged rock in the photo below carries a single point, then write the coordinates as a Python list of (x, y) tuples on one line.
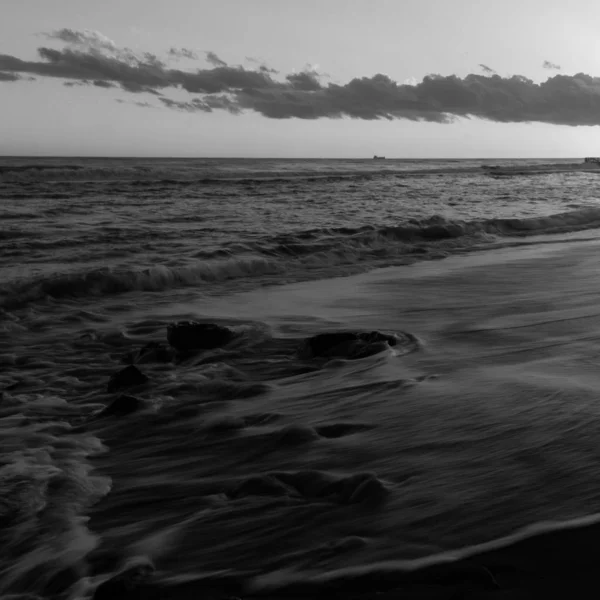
[(128, 377), (190, 335), (123, 405), (260, 485), (152, 352), (295, 435), (346, 344), (61, 582), (103, 560), (135, 582)]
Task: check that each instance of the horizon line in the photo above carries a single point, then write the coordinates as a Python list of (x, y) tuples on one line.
[(190, 157)]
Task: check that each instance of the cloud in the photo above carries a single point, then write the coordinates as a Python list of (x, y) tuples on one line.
[(307, 81), (206, 104), (486, 69), (131, 86), (140, 104), (103, 84), (183, 53), (85, 38), (550, 65), (214, 60), (93, 60), (9, 77), (262, 66)]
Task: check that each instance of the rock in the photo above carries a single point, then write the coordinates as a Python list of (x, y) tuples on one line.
[(260, 485), (127, 377), (190, 335), (134, 583), (346, 344), (103, 560), (295, 435), (62, 581), (123, 405), (337, 430), (323, 344), (370, 490), (362, 349), (152, 352)]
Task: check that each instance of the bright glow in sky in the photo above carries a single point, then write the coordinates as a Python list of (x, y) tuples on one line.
[(403, 39)]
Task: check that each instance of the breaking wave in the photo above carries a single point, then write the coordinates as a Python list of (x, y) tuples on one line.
[(307, 254), (46, 486)]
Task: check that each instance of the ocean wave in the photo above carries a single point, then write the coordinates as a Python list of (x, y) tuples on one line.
[(38, 167), (421, 235), (46, 485), (108, 281), (301, 252)]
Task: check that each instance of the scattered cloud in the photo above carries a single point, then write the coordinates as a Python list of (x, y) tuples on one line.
[(140, 104), (550, 65), (183, 53), (91, 59), (214, 60), (262, 64), (85, 38), (134, 87), (206, 104), (103, 84)]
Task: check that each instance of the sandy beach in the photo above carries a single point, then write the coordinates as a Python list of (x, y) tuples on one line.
[(502, 391)]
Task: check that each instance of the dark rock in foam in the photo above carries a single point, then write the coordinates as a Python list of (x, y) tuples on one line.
[(103, 560), (260, 485), (190, 335), (346, 344), (123, 405), (128, 377), (61, 582), (295, 435), (152, 352), (338, 430), (134, 582)]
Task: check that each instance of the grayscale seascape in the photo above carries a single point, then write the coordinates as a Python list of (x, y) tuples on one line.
[(299, 300)]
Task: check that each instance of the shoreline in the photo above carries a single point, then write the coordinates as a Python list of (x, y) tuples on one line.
[(537, 562)]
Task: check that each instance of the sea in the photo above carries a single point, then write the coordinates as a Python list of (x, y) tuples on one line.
[(249, 467)]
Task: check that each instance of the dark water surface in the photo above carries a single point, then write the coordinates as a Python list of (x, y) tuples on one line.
[(252, 460)]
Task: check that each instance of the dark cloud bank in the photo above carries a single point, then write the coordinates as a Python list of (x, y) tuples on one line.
[(91, 59)]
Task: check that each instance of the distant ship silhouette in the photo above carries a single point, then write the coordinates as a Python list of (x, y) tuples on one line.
[(378, 157)]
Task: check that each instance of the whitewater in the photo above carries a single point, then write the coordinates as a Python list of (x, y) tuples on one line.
[(456, 450)]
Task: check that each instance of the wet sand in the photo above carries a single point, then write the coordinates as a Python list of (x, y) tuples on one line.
[(409, 472), (497, 330)]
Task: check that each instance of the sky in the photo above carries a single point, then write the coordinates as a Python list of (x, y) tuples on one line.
[(310, 78)]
